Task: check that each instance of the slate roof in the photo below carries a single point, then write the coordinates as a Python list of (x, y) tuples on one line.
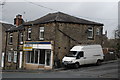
[(7, 26), (21, 27), (62, 17), (56, 17)]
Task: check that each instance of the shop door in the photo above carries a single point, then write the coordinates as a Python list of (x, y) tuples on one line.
[(47, 57)]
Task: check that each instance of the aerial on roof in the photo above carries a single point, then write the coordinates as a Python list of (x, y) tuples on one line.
[(61, 17)]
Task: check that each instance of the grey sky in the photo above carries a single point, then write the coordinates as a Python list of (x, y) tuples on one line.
[(104, 12)]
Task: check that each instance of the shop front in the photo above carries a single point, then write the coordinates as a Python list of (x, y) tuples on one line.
[(39, 55)]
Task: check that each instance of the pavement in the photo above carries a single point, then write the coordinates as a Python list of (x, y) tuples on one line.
[(57, 69)]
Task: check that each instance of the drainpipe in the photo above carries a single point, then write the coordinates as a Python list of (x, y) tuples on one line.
[(17, 66), (5, 55)]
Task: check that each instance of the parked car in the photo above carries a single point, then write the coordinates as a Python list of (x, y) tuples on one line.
[(84, 54)]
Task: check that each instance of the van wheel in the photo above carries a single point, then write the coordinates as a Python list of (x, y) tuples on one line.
[(98, 62), (77, 65)]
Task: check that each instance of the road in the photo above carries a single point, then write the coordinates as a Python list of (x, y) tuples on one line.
[(108, 70)]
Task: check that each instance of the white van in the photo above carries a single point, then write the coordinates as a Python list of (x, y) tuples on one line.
[(84, 54)]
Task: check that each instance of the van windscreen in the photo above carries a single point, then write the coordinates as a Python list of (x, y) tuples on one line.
[(72, 54)]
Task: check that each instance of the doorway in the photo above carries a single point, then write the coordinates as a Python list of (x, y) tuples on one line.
[(48, 58)]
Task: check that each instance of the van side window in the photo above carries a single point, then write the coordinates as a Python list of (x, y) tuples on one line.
[(80, 54)]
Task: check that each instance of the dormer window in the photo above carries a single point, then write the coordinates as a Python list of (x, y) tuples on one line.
[(29, 33)]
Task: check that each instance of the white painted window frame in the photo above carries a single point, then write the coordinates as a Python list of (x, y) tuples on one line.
[(15, 57), (42, 29), (29, 33), (21, 38), (97, 31), (90, 30), (10, 37), (9, 57)]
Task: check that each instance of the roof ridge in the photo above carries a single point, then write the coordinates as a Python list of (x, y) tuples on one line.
[(57, 15)]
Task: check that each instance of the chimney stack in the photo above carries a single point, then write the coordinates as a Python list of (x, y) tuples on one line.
[(18, 20)]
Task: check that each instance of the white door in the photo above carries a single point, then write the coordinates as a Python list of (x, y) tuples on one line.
[(48, 58), (20, 60), (2, 60)]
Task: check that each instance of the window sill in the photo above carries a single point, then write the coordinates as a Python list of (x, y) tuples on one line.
[(10, 43), (36, 64), (90, 38)]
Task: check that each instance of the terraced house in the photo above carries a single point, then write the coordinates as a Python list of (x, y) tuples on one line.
[(3, 27), (42, 43)]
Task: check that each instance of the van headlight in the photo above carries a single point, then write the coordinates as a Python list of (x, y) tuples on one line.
[(71, 61)]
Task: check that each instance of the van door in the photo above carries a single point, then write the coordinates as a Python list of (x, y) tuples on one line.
[(88, 59), (80, 57)]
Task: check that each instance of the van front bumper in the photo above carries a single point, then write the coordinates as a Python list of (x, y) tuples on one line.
[(68, 64)]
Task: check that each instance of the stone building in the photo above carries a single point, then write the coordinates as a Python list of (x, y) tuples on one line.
[(42, 43), (3, 28)]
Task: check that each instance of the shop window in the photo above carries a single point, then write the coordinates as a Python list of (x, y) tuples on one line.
[(32, 57), (21, 38), (29, 33), (41, 35), (36, 56), (42, 56), (48, 57), (90, 32), (15, 56), (28, 57), (10, 38), (9, 57)]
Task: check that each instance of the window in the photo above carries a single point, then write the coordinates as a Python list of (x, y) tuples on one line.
[(15, 56), (9, 57), (97, 31), (10, 38), (90, 32), (41, 35), (21, 38), (36, 56), (80, 54), (29, 33)]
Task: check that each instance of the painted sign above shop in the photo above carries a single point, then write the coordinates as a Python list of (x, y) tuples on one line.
[(29, 45), (36, 42)]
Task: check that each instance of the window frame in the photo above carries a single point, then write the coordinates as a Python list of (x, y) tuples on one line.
[(97, 31), (29, 57), (41, 33), (10, 38), (21, 37), (90, 31), (15, 57), (9, 57), (29, 33)]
